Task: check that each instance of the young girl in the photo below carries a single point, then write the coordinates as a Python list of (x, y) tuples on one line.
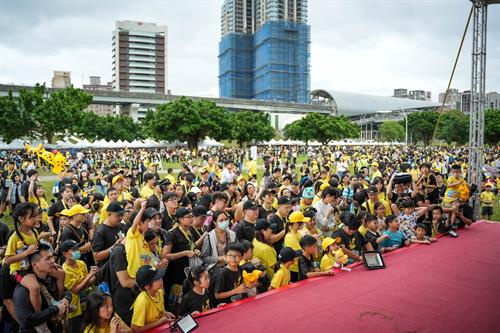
[(149, 308), (196, 300), (282, 277), (37, 196), (293, 236), (99, 316), (379, 209), (22, 243), (330, 260)]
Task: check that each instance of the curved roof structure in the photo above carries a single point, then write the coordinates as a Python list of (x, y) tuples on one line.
[(353, 104)]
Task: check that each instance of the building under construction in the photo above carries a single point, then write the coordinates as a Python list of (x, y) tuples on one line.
[(264, 52)]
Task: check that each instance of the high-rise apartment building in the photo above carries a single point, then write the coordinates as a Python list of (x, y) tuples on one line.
[(400, 93), (140, 57), (99, 109), (61, 79), (420, 95), (264, 52)]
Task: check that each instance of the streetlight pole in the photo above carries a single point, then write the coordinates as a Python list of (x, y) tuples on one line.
[(406, 126)]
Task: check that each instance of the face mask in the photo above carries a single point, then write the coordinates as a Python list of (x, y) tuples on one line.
[(223, 225), (76, 255)]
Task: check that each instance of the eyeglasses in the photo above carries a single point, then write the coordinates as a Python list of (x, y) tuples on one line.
[(234, 256)]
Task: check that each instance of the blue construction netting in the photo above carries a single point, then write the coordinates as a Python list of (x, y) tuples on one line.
[(273, 64)]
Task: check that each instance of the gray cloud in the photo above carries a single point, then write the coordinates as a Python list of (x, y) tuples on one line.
[(362, 46)]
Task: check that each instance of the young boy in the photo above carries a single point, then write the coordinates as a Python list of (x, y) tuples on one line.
[(229, 286), (372, 234), (149, 308), (487, 198), (76, 280), (421, 235), (307, 267), (136, 247), (452, 195), (282, 277), (396, 237), (409, 217)]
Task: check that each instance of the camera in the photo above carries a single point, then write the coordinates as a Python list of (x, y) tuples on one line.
[(402, 178)]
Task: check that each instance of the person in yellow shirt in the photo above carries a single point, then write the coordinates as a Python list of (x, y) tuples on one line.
[(329, 259), (251, 166), (262, 249), (76, 280), (36, 195), (451, 197), (136, 247), (293, 236), (487, 198), (149, 308), (373, 198), (375, 171), (149, 185), (115, 193), (282, 277)]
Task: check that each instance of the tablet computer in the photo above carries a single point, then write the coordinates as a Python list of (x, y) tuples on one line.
[(187, 324), (373, 260)]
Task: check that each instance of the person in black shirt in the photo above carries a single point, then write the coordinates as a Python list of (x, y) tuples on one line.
[(168, 215), (278, 222), (267, 199), (108, 234), (307, 267), (123, 287), (196, 300), (229, 286), (372, 234), (79, 233), (42, 263), (197, 229), (57, 207), (245, 229), (352, 242)]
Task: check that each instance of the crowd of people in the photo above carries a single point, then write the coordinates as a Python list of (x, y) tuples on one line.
[(128, 245)]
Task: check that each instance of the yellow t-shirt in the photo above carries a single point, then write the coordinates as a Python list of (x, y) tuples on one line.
[(369, 206), (376, 174), (147, 309), (44, 206), (487, 199), (171, 178), (327, 262), (104, 213), (16, 246), (266, 254), (292, 240), (74, 275), (452, 194), (281, 278), (90, 328), (362, 230), (146, 192), (138, 253)]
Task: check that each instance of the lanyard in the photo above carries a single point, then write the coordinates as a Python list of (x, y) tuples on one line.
[(188, 238)]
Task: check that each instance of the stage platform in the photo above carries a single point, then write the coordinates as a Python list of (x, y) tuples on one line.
[(452, 285)]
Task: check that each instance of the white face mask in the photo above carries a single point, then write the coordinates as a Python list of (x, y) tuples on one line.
[(223, 225)]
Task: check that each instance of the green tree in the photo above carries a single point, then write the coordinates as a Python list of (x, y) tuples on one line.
[(190, 121), (392, 131), (422, 124), (58, 113), (322, 128), (453, 127), (251, 125), (15, 123), (492, 126)]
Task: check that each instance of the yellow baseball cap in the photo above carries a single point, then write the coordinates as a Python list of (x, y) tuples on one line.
[(296, 217), (329, 241), (117, 178), (64, 212), (374, 164), (77, 209)]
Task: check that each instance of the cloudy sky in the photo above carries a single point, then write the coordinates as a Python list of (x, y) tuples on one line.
[(369, 46)]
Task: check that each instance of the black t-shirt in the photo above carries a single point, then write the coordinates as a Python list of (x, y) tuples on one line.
[(104, 237), (54, 209), (355, 242), (305, 266), (432, 195), (468, 213), (245, 230), (194, 302), (4, 234), (175, 270), (81, 236), (123, 298), (25, 189), (196, 233), (263, 213), (278, 224), (167, 221), (372, 238), (228, 280)]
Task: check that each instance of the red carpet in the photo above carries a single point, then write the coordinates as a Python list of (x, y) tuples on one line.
[(450, 286)]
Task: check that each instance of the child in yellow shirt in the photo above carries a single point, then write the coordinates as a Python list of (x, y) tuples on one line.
[(452, 194), (487, 198), (282, 277)]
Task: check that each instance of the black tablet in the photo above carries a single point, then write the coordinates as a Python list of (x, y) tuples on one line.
[(373, 260), (187, 324)]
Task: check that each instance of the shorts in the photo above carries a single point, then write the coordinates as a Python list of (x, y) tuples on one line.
[(452, 204), (487, 211)]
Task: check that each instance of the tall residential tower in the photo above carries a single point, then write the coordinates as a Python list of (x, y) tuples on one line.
[(139, 57), (264, 52)]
